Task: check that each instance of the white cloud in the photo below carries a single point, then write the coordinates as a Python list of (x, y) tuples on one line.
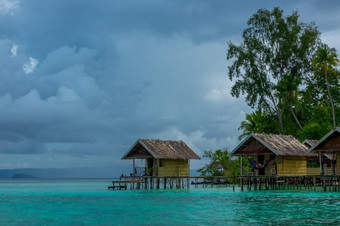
[(216, 95), (29, 67), (8, 6), (218, 87), (14, 50)]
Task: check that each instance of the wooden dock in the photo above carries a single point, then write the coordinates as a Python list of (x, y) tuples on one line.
[(241, 183), (122, 184), (312, 183), (149, 182)]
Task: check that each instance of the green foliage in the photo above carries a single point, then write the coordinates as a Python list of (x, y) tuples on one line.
[(273, 46), (287, 75), (221, 164), (273, 67), (326, 60), (257, 122), (320, 122), (149, 170)]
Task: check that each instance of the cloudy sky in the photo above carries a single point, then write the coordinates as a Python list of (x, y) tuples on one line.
[(82, 80)]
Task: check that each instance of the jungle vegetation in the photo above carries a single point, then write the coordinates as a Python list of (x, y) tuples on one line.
[(287, 75), (289, 78)]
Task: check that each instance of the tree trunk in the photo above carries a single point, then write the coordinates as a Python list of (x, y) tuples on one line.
[(278, 113), (295, 117), (330, 99)]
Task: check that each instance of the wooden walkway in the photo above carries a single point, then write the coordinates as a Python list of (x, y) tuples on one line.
[(149, 182), (242, 183), (312, 183), (122, 184)]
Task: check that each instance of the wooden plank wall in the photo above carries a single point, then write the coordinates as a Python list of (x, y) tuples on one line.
[(292, 166), (174, 167)]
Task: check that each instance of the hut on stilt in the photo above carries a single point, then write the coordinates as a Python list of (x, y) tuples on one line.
[(279, 155), (329, 146), (313, 163), (164, 158)]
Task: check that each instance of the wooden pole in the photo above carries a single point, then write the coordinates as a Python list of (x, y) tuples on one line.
[(242, 165), (234, 182), (333, 165), (321, 164), (157, 165), (324, 182), (134, 167), (241, 180), (276, 165)]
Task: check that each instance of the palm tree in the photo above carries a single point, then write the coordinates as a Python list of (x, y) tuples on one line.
[(326, 60), (252, 124), (288, 93)]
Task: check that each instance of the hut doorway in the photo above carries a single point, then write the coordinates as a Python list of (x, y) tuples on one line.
[(260, 159), (149, 167)]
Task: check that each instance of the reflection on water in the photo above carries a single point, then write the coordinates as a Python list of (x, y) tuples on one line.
[(89, 202)]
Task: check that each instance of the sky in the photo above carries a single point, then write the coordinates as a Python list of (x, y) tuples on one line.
[(82, 80)]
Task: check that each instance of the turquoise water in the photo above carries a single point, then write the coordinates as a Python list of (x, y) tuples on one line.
[(88, 202)]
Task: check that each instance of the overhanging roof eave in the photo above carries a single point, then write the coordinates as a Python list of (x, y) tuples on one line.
[(141, 143), (336, 129), (252, 135)]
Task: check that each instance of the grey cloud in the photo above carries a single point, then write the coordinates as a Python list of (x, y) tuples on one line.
[(24, 146), (112, 72), (44, 26)]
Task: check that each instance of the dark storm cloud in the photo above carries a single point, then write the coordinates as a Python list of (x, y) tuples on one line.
[(82, 80), (47, 25)]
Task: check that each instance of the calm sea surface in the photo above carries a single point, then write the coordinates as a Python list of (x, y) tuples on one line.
[(88, 202)]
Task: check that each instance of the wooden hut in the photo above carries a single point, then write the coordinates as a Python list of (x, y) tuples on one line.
[(313, 163), (163, 157), (286, 156), (309, 143), (329, 146)]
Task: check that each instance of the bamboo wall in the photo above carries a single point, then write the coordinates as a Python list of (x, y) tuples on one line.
[(175, 167), (313, 171), (291, 166)]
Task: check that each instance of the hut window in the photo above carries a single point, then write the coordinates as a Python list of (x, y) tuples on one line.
[(161, 163)]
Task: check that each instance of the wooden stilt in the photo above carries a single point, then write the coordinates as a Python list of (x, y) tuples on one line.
[(233, 183), (241, 181)]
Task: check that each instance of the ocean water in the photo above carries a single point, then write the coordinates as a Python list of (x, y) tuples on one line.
[(88, 202)]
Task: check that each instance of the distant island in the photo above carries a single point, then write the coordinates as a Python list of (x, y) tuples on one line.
[(23, 176)]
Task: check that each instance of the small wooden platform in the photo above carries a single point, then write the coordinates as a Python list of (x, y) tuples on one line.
[(122, 184), (118, 187)]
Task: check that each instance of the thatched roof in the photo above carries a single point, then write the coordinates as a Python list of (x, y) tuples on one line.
[(160, 149), (281, 145), (328, 143), (309, 143)]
